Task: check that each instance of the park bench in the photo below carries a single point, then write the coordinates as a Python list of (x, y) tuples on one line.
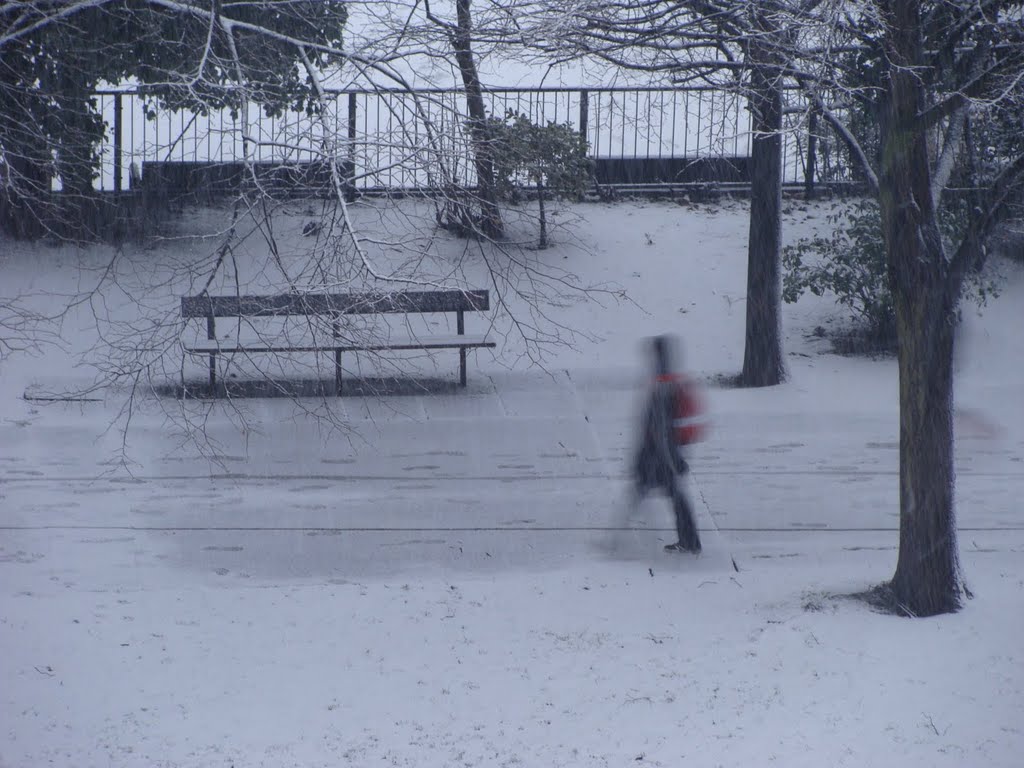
[(324, 331)]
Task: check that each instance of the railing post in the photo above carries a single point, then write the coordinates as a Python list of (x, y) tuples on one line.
[(118, 126)]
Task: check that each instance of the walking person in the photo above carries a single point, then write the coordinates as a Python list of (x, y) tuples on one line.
[(671, 420)]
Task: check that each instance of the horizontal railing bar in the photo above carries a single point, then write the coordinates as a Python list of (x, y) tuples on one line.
[(136, 91)]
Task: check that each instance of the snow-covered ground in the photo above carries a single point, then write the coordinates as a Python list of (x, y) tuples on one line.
[(437, 588)]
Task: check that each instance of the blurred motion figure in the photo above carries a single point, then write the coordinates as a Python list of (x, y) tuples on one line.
[(672, 419)]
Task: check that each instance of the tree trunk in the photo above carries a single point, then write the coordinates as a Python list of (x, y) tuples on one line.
[(927, 578), (543, 217), (490, 214), (762, 357), (812, 154), (24, 197)]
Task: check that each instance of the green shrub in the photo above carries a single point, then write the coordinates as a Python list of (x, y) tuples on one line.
[(851, 264), (550, 158)]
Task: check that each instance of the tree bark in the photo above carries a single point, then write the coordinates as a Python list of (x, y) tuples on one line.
[(24, 196), (763, 364), (812, 154), (927, 579), (490, 214), (543, 217)]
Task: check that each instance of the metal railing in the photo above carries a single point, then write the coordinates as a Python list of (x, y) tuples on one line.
[(403, 140)]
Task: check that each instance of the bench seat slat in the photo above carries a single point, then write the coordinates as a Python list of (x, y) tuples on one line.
[(235, 344), (312, 304)]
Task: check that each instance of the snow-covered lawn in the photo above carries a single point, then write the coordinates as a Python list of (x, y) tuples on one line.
[(439, 590)]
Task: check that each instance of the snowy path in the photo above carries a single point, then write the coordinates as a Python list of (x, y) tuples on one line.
[(528, 477)]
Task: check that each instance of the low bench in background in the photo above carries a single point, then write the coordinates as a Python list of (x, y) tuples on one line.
[(330, 308)]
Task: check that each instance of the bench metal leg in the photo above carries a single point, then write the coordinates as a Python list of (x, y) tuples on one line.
[(461, 326), (211, 334), (337, 372)]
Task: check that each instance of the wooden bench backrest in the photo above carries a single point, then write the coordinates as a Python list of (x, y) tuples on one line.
[(335, 303)]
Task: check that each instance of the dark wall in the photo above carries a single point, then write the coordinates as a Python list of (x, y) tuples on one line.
[(202, 181), (671, 170)]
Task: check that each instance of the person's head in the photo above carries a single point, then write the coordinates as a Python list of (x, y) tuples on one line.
[(661, 349)]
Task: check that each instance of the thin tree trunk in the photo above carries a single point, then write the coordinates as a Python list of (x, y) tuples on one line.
[(762, 357), (543, 218), (927, 578), (490, 214), (812, 154)]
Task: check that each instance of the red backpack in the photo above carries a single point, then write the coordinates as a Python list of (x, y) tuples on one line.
[(689, 421)]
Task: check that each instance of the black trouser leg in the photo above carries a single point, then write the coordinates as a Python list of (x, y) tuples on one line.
[(686, 528)]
